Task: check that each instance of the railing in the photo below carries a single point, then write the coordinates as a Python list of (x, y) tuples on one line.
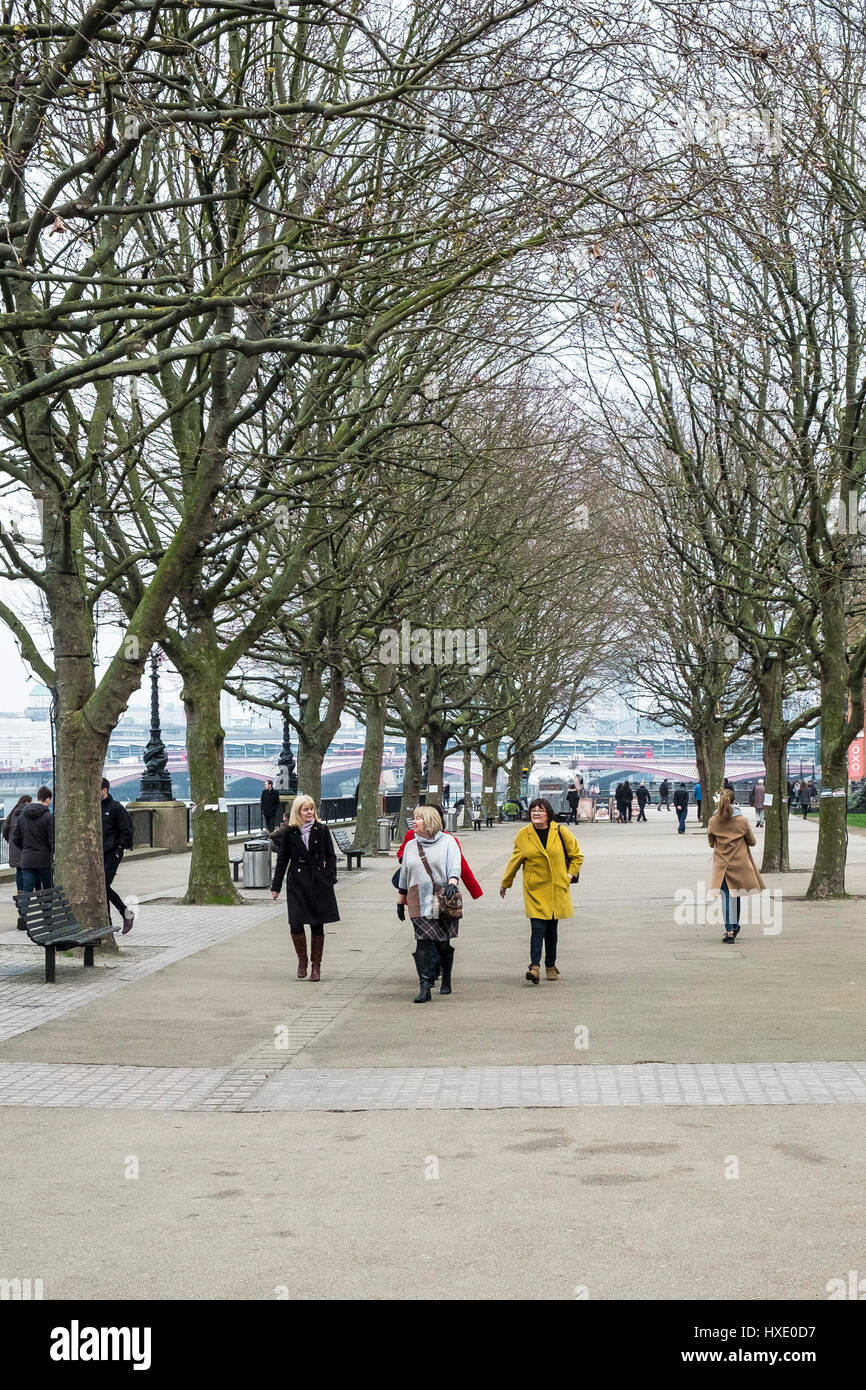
[(242, 819), (337, 808)]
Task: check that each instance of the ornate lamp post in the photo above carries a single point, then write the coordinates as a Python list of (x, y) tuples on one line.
[(287, 772), (156, 782)]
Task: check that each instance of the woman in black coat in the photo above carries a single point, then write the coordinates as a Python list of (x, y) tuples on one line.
[(307, 858)]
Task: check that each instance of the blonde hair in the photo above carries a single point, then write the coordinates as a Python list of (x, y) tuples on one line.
[(726, 801), (431, 818), (299, 802)]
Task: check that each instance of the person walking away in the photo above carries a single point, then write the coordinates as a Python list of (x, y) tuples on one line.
[(572, 796), (681, 806), (759, 797), (804, 799), (628, 795), (446, 795), (791, 795), (643, 797), (33, 833), (306, 858), (430, 858), (664, 795), (14, 851), (734, 870), (620, 798), (116, 837), (698, 794), (270, 801), (550, 859)]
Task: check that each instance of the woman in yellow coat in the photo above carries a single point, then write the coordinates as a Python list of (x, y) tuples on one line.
[(551, 858)]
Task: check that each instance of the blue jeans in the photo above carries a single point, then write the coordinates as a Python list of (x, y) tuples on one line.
[(546, 933), (682, 812), (35, 878), (732, 922)]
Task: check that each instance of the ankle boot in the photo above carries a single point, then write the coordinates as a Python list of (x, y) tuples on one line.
[(299, 941), (446, 960), (317, 945), (424, 966)]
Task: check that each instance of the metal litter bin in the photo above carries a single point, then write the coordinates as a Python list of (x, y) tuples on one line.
[(257, 864), (384, 824), (451, 819)]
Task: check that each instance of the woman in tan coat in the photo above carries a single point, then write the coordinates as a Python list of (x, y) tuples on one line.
[(734, 869)]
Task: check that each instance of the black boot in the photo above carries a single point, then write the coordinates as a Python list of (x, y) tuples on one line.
[(422, 954), (446, 960)]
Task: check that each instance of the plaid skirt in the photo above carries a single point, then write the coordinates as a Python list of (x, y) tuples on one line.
[(429, 929)]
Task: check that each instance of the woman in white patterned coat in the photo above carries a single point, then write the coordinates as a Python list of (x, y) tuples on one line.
[(434, 931)]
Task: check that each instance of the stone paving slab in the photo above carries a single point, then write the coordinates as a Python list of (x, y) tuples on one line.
[(26, 1001), (431, 1088)]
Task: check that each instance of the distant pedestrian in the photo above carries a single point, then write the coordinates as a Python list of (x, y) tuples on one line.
[(14, 851), (116, 837), (791, 795), (698, 794), (33, 833), (734, 870), (813, 789), (758, 799), (550, 858), (307, 859), (664, 795), (643, 797), (270, 802), (431, 858), (727, 786), (628, 794), (446, 795), (622, 802), (572, 796), (681, 806), (804, 799)]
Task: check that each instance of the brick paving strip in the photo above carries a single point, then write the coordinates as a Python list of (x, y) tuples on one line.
[(46, 1084)]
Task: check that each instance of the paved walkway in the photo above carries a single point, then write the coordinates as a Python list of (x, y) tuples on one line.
[(722, 1076)]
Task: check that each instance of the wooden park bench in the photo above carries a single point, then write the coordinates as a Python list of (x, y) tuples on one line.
[(50, 924), (341, 840)]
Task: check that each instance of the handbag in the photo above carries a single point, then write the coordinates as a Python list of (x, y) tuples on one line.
[(571, 876), (450, 907)]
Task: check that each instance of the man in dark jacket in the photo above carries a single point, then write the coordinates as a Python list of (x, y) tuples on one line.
[(116, 837), (34, 836), (270, 805), (643, 797), (681, 806), (664, 795)]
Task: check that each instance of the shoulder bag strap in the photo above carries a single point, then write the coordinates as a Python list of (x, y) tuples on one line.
[(424, 861), (564, 850)]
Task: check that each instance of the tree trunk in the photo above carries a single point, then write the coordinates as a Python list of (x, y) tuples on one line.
[(437, 741), (79, 867), (710, 757), (210, 878), (411, 775), (311, 756), (828, 874), (775, 745), (515, 774), (489, 773), (371, 767), (467, 788)]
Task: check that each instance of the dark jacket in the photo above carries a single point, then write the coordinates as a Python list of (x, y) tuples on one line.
[(8, 827), (116, 826), (681, 798), (803, 796), (664, 789), (270, 801), (34, 836), (310, 875), (643, 796)]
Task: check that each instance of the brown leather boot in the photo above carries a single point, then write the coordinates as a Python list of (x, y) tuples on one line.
[(299, 941), (317, 945)]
